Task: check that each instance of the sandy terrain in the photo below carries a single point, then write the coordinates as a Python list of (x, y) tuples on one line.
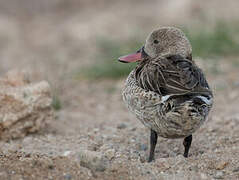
[(53, 40)]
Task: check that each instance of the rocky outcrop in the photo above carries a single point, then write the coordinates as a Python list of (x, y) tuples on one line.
[(25, 107)]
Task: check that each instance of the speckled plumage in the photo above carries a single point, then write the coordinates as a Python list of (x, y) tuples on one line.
[(155, 111), (167, 92)]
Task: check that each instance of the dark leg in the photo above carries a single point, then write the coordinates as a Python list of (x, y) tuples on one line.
[(153, 142), (187, 143)]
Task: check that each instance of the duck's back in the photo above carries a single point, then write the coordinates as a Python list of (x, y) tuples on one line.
[(169, 95), (172, 75)]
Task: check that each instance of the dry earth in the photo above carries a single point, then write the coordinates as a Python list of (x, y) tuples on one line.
[(93, 135)]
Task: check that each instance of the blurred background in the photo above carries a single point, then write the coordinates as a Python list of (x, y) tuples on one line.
[(74, 44), (68, 40)]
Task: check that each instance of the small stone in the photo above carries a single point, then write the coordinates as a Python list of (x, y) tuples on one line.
[(142, 159), (92, 160), (221, 165), (180, 158), (201, 152), (163, 164), (203, 176), (110, 153), (67, 177), (193, 168), (236, 169), (66, 153), (176, 149), (165, 155), (219, 175), (105, 147), (121, 126), (51, 166), (119, 155), (93, 146)]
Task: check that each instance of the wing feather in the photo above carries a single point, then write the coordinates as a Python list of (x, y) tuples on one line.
[(172, 75)]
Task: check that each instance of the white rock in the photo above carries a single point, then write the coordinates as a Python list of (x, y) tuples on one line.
[(219, 175), (24, 107), (93, 160), (66, 153)]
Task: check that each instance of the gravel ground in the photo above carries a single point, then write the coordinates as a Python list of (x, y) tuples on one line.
[(93, 135), (102, 140)]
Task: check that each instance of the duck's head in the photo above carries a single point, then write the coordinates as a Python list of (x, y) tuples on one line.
[(164, 41)]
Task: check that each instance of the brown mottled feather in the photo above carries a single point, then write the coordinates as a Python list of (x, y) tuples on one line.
[(173, 75)]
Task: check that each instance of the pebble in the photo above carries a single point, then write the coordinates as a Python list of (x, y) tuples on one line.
[(201, 152), (134, 155), (236, 169), (193, 168), (93, 160), (179, 158), (176, 149), (203, 176), (51, 166), (165, 155), (121, 126), (67, 177), (221, 165), (105, 147), (110, 153), (219, 175), (93, 146), (66, 153), (142, 159)]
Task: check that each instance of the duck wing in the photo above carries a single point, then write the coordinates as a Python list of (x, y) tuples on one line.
[(173, 75)]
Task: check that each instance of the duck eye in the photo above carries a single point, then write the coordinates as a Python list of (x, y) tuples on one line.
[(156, 41)]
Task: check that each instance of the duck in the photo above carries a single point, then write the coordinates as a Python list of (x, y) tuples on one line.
[(167, 91)]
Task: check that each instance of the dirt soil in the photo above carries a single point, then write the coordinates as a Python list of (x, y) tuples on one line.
[(93, 135)]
